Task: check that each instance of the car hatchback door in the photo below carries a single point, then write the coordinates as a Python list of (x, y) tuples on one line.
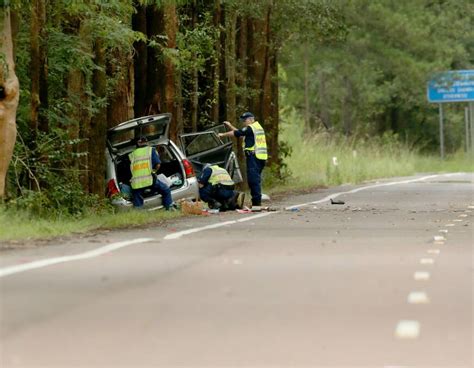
[(207, 148)]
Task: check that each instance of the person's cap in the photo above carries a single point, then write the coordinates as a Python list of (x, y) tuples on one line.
[(246, 115), (142, 140)]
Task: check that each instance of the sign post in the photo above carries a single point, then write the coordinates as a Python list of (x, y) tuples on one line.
[(471, 126), (466, 127), (453, 86), (441, 131)]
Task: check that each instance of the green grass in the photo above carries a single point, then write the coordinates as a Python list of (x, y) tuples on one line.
[(312, 160), (18, 225)]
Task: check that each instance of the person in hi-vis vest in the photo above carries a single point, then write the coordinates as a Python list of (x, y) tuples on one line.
[(217, 189), (255, 148), (143, 160)]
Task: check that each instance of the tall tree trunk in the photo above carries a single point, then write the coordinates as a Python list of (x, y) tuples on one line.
[(216, 63), (154, 78), (98, 128), (194, 77), (266, 75), (79, 114), (139, 23), (230, 62), (241, 80), (120, 108), (9, 96), (38, 68), (173, 103)]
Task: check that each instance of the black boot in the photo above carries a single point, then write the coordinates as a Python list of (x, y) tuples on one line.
[(213, 204)]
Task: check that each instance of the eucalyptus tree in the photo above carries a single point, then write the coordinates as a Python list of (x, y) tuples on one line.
[(9, 94)]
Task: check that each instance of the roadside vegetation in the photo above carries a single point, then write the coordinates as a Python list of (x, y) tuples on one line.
[(327, 159)]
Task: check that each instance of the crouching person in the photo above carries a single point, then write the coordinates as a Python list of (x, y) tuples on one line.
[(143, 160), (217, 189)]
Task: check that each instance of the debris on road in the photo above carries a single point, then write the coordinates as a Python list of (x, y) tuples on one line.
[(337, 201)]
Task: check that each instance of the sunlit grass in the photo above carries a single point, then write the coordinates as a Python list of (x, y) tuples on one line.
[(327, 159)]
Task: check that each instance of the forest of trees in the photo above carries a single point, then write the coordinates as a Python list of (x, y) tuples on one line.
[(351, 66)]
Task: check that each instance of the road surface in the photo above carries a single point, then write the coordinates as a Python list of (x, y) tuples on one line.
[(385, 280)]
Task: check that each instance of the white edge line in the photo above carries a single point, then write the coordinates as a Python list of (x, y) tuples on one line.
[(256, 216), (179, 234), (335, 195), (52, 261)]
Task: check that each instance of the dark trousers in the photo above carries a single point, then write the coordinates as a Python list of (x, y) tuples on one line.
[(223, 195), (158, 186), (254, 178)]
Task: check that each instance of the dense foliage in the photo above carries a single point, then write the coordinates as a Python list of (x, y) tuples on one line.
[(375, 80)]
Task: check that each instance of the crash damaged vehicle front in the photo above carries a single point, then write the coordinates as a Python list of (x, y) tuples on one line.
[(178, 170)]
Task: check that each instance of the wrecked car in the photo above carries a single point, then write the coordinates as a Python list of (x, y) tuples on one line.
[(180, 162)]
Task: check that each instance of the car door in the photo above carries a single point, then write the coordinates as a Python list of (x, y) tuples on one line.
[(206, 147)]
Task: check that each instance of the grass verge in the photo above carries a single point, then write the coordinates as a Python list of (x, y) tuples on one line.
[(18, 225)]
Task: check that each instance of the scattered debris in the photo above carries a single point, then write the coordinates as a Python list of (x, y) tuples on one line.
[(337, 201)]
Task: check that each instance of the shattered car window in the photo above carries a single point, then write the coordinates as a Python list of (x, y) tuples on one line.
[(201, 143)]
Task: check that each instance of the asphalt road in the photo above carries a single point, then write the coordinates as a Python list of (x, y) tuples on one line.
[(385, 280)]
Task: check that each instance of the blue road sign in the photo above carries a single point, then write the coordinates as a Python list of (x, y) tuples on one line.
[(452, 86)]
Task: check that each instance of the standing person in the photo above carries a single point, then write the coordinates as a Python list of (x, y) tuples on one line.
[(216, 187), (255, 148), (143, 160)]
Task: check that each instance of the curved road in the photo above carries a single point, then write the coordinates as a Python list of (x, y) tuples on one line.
[(385, 280)]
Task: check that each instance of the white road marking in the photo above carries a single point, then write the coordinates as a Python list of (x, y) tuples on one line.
[(438, 243), (407, 329), (426, 261), (52, 261), (335, 195), (179, 234), (471, 207), (443, 231), (449, 225), (439, 238), (462, 215), (457, 220), (421, 275), (256, 216), (433, 251), (418, 297)]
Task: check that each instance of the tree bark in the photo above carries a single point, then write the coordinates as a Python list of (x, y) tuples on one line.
[(9, 96), (154, 70), (120, 108), (230, 64), (216, 64), (38, 68), (139, 23), (195, 77), (98, 127), (173, 103)]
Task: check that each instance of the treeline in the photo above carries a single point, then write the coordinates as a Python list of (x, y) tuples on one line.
[(374, 82), (85, 66)]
